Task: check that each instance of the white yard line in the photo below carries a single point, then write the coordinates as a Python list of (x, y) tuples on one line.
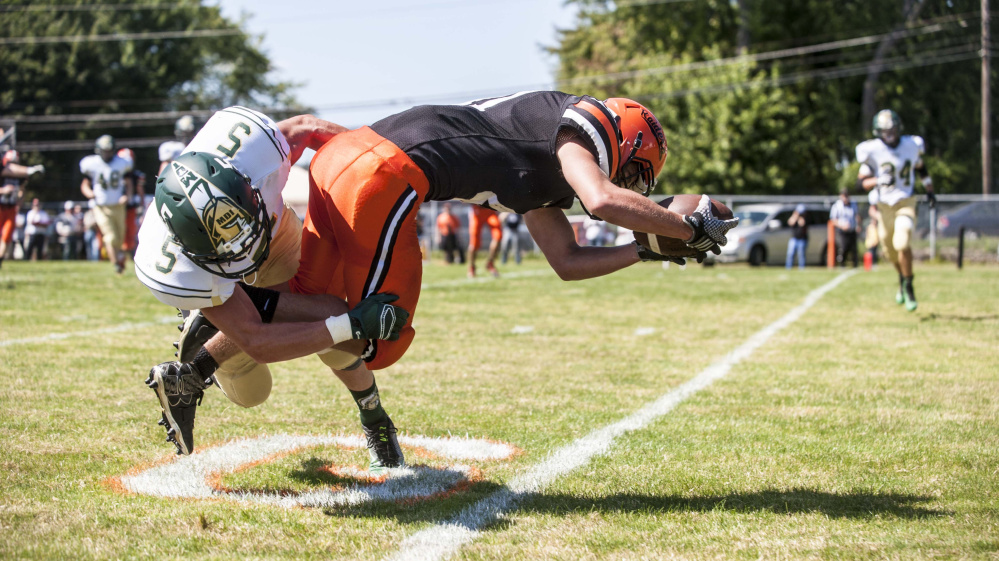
[(445, 539), (113, 329), (129, 326)]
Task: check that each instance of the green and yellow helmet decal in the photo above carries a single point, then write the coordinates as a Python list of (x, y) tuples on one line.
[(218, 219)]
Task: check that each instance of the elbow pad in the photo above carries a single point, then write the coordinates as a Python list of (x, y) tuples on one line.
[(264, 300)]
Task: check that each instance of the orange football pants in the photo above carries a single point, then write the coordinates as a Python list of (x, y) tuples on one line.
[(359, 236), (483, 216), (8, 222)]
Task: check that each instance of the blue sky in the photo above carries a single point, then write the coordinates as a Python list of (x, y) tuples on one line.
[(358, 64)]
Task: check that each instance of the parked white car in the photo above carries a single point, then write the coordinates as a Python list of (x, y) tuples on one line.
[(762, 235)]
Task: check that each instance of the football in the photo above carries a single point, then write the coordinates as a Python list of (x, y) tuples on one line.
[(674, 247)]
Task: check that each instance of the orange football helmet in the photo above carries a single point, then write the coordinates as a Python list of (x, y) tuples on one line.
[(642, 142)]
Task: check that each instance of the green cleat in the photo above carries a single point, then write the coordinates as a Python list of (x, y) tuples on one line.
[(899, 297)]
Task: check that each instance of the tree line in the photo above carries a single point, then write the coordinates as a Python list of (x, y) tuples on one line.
[(755, 97)]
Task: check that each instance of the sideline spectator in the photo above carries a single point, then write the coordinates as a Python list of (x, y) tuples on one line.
[(36, 224), (511, 236), (447, 229), (799, 237), (846, 218), (69, 228)]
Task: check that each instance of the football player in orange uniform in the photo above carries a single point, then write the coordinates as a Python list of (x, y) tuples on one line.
[(478, 217), (531, 153)]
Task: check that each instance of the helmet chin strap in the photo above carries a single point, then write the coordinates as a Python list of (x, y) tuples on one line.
[(256, 273)]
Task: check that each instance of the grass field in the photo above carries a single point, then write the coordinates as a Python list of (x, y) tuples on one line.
[(859, 431)]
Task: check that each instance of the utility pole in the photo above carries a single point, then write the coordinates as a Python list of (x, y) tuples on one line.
[(986, 105)]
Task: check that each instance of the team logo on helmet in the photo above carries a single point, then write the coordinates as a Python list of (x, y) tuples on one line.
[(227, 223), (657, 131)]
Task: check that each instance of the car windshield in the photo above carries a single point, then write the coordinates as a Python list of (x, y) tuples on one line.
[(751, 218)]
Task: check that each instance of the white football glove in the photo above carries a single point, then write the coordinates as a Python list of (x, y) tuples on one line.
[(709, 230), (36, 169), (886, 179)]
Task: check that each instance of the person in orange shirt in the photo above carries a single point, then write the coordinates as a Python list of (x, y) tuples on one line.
[(477, 217), (447, 229)]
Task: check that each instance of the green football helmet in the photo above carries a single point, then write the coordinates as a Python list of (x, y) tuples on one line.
[(219, 220), (887, 126)]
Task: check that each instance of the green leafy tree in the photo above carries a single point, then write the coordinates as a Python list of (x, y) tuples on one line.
[(93, 59), (784, 123)]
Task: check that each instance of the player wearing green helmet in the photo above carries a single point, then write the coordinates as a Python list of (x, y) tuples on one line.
[(216, 237), (889, 166), (219, 220)]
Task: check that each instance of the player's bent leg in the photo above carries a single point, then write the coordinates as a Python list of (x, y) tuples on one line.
[(245, 382)]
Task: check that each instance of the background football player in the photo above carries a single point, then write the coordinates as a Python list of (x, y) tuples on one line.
[(218, 232), (12, 176), (890, 163), (106, 181), (183, 130)]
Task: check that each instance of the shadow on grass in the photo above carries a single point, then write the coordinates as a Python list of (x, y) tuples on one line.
[(954, 317), (856, 504)]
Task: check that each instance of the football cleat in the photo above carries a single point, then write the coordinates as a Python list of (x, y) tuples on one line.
[(194, 333), (900, 297), (383, 446), (179, 389)]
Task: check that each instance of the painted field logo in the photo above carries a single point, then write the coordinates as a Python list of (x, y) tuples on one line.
[(199, 475)]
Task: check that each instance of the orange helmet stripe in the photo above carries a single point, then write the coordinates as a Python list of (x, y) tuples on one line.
[(595, 115)]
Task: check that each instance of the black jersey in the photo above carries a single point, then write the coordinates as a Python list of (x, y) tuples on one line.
[(500, 152)]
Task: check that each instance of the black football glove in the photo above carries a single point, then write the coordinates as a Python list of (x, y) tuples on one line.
[(376, 318), (709, 231), (646, 254)]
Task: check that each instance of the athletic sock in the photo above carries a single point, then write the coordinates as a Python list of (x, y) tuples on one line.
[(907, 286), (369, 405)]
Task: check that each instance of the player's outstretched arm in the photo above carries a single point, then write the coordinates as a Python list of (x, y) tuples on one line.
[(307, 131), (612, 203), (552, 232), (239, 321)]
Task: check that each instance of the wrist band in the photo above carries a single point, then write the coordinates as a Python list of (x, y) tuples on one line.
[(339, 328)]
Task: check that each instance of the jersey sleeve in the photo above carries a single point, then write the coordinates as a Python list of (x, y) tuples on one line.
[(594, 122), (85, 166), (173, 278), (920, 144)]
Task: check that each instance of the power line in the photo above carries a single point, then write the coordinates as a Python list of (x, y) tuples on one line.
[(189, 34), (87, 7)]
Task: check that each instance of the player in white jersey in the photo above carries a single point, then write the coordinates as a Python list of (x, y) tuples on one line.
[(184, 130), (223, 197), (890, 164), (106, 182)]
